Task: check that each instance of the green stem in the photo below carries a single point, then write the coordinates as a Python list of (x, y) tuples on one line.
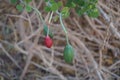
[(61, 22), (37, 11), (67, 39), (49, 22), (60, 16), (40, 16)]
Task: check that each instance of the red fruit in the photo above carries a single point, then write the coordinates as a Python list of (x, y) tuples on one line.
[(48, 41)]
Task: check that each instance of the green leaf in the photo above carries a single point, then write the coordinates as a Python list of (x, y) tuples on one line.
[(68, 4), (73, 4), (59, 3), (94, 13), (79, 2), (80, 12), (65, 12), (54, 7), (45, 31), (28, 8), (52, 1), (28, 1), (19, 7), (46, 0), (13, 1), (94, 1), (47, 9)]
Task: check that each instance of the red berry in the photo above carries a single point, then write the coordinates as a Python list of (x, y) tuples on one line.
[(48, 41)]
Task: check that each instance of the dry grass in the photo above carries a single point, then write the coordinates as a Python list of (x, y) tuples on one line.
[(23, 55)]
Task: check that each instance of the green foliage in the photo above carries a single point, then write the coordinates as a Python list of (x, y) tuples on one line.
[(87, 7), (65, 12), (28, 1), (46, 0), (93, 13), (82, 7), (47, 9), (54, 6), (13, 1), (19, 7), (28, 8)]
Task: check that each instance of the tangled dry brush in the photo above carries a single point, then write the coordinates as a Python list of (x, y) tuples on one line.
[(96, 42)]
